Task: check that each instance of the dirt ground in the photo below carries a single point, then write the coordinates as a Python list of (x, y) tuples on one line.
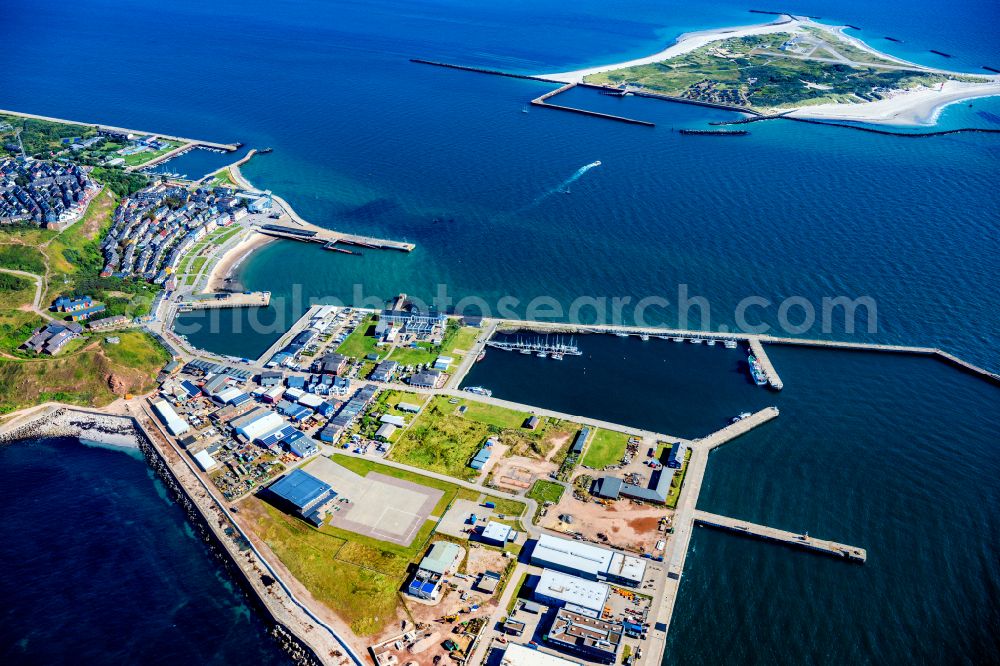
[(628, 524), (518, 472), (482, 560)]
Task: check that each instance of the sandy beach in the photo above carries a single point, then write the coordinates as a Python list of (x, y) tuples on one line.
[(228, 264), (686, 43), (918, 107)]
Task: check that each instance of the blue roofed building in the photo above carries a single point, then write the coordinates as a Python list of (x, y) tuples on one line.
[(304, 494), (426, 581), (675, 459)]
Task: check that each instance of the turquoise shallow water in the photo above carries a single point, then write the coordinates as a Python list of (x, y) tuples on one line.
[(367, 142)]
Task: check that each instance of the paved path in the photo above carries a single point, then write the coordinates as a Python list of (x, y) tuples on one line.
[(472, 354), (39, 281)]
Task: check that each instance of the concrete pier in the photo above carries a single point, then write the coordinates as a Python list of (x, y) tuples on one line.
[(283, 341), (250, 299), (738, 428), (772, 375), (542, 100), (852, 553), (310, 233)]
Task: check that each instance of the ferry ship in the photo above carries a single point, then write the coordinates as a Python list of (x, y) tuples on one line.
[(756, 371)]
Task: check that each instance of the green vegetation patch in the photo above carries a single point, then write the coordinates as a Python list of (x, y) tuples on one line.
[(40, 137), (457, 340), (755, 71), (361, 342), (22, 258), (135, 159), (365, 598), (546, 491), (606, 448), (82, 374)]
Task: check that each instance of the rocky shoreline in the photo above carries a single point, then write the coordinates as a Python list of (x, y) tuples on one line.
[(125, 431)]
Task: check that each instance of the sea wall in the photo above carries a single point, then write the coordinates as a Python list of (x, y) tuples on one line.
[(222, 539)]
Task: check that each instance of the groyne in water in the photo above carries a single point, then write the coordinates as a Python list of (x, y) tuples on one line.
[(55, 420), (482, 70), (911, 135), (542, 100)]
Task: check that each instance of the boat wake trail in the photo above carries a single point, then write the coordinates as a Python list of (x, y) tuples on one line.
[(561, 188)]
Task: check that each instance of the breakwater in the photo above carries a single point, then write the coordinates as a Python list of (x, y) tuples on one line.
[(512, 325), (695, 132), (482, 70), (224, 539), (850, 553)]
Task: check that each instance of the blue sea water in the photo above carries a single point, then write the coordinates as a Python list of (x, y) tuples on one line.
[(101, 567), (365, 141)]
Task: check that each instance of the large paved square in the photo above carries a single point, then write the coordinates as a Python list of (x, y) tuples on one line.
[(381, 506)]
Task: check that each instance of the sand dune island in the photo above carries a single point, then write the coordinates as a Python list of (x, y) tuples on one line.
[(793, 66)]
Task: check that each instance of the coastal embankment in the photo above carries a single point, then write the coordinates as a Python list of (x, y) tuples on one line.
[(307, 640), (112, 128)]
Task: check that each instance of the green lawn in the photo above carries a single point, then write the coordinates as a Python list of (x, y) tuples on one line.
[(606, 448), (22, 258), (456, 339), (361, 342), (145, 156), (356, 580), (546, 491), (441, 441)]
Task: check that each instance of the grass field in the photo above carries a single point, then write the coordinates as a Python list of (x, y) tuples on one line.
[(361, 342), (22, 258), (356, 580), (546, 491), (15, 290), (443, 439), (606, 448), (457, 339)]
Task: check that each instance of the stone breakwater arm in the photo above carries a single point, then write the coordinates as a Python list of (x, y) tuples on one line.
[(738, 526)]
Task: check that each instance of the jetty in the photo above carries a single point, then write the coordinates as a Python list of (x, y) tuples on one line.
[(310, 233), (249, 299), (539, 347), (542, 101), (738, 428), (765, 363), (851, 553)]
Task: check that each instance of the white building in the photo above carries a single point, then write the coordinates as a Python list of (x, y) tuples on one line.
[(258, 423), (176, 426), (584, 596), (587, 560), (520, 655)]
